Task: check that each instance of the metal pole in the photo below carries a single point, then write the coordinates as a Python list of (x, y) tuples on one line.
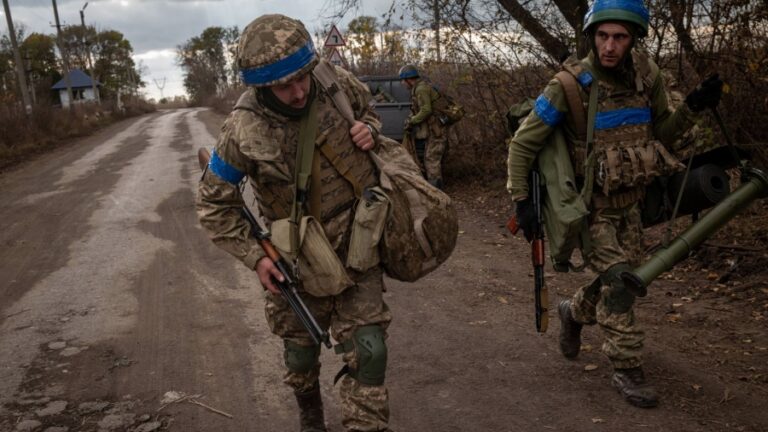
[(20, 75), (64, 59), (88, 54)]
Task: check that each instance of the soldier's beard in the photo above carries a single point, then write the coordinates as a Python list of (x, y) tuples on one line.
[(293, 109)]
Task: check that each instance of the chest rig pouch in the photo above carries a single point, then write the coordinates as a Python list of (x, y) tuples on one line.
[(301, 239), (627, 157)]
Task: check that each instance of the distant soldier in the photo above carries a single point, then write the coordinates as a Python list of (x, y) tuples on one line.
[(428, 133), (631, 112), (260, 140)]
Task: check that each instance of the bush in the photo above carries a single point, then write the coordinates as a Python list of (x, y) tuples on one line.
[(47, 126)]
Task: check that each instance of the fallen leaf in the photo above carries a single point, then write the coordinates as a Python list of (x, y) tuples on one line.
[(673, 317), (503, 300), (590, 367), (686, 299), (597, 420), (696, 387), (586, 348), (712, 276), (477, 322)]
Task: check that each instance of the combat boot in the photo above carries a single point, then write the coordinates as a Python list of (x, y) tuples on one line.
[(311, 414), (632, 386), (570, 331)]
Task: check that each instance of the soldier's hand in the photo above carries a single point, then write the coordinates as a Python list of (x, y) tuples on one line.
[(266, 270), (526, 217), (706, 95), (407, 125), (362, 136)]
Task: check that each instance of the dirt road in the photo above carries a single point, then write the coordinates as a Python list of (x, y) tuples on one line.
[(117, 313)]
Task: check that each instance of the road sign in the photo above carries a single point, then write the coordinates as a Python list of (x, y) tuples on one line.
[(335, 57), (334, 38)]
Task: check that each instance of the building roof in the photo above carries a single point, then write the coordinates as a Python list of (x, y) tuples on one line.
[(78, 79)]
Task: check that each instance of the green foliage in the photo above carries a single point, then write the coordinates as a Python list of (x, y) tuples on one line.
[(362, 32), (114, 65), (208, 62)]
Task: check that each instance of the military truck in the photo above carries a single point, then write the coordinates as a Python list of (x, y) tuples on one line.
[(393, 103)]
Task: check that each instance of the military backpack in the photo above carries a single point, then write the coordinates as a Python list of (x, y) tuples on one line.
[(421, 227)]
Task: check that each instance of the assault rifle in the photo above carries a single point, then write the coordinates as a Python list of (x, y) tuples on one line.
[(288, 287), (541, 296)]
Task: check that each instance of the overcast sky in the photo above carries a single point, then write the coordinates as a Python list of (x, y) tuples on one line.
[(156, 27)]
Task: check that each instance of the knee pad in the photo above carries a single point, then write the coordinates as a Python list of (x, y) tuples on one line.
[(618, 299), (300, 358), (371, 355)]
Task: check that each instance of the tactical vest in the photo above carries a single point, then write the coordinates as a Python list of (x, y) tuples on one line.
[(627, 156), (274, 156)]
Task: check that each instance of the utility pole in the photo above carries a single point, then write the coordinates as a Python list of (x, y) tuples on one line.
[(88, 54), (160, 87), (20, 75), (63, 52)]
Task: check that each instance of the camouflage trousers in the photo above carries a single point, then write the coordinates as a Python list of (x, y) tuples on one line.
[(616, 238), (431, 151), (363, 407)]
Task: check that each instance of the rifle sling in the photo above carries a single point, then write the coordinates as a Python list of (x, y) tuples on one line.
[(304, 157)]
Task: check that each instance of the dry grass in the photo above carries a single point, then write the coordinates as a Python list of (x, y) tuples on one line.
[(22, 136)]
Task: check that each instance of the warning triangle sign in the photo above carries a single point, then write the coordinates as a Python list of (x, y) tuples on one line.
[(336, 58), (334, 38)]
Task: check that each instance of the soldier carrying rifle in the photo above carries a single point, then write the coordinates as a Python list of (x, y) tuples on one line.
[(308, 168), (612, 153)]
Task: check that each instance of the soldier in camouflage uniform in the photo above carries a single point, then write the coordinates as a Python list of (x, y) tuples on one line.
[(632, 110), (429, 133), (259, 140)]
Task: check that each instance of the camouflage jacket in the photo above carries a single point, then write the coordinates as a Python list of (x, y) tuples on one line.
[(260, 144), (551, 109), (423, 118)]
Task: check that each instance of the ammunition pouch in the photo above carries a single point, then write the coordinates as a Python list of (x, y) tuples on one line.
[(630, 166), (367, 228), (320, 270)]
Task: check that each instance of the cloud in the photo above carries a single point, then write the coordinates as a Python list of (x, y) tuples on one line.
[(156, 27)]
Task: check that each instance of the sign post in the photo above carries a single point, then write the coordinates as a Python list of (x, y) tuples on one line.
[(333, 42)]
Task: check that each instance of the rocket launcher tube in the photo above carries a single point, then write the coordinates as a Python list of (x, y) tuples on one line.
[(755, 186)]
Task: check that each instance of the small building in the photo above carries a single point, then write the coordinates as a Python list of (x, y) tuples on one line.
[(82, 88)]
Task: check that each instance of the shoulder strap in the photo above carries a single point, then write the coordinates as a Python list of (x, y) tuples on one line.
[(328, 79), (326, 76), (577, 119), (304, 156)]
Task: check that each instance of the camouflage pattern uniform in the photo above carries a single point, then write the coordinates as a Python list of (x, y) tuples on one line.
[(260, 143), (428, 132), (614, 224)]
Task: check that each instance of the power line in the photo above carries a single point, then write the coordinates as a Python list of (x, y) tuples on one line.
[(160, 87)]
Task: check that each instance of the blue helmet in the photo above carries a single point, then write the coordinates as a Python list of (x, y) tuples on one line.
[(633, 11), (408, 71)]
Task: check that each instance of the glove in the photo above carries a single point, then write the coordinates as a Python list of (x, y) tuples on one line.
[(706, 95), (526, 217)]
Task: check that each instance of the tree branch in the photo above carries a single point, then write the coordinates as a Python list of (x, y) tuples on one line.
[(553, 46)]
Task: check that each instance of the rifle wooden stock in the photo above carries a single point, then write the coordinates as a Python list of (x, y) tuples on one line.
[(288, 286)]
